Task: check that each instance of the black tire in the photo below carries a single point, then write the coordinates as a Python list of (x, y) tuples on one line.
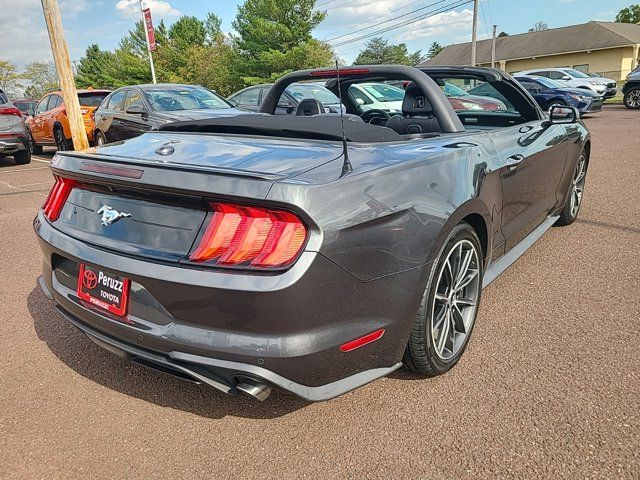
[(632, 98), (100, 138), (35, 149), (23, 157), (570, 211), (62, 144), (421, 354)]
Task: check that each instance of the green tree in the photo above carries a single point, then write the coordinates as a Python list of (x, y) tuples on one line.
[(631, 14), (275, 37), (9, 77), (539, 27), (213, 27), (434, 49), (503, 34), (97, 69), (379, 51), (41, 78)]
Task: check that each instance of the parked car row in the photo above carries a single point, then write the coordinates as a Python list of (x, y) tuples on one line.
[(570, 77), (133, 110)]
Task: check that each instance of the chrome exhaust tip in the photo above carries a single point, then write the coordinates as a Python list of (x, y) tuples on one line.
[(257, 390)]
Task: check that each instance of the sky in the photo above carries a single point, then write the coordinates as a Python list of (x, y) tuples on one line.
[(23, 35)]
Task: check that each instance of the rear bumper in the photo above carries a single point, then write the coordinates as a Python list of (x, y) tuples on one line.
[(219, 327), (592, 107), (13, 144)]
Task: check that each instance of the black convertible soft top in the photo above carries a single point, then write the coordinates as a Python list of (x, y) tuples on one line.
[(319, 127)]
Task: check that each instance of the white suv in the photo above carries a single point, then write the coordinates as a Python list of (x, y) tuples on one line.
[(577, 79)]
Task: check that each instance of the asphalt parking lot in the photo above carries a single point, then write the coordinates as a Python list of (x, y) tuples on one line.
[(548, 388)]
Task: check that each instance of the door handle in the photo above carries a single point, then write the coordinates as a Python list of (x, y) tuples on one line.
[(514, 160)]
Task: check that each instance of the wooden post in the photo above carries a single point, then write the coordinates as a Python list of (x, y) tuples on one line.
[(65, 74)]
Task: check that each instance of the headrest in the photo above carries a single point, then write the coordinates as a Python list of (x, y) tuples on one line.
[(308, 107), (415, 102)]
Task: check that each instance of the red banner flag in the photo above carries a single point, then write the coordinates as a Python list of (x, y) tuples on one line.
[(150, 32)]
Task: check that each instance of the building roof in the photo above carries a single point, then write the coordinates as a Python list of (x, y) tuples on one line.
[(554, 41)]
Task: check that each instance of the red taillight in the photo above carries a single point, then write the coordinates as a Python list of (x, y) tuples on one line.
[(342, 71), (240, 235), (57, 197), (362, 341), (10, 111)]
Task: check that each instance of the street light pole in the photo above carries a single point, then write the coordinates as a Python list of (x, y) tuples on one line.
[(493, 48), (146, 35), (474, 33)]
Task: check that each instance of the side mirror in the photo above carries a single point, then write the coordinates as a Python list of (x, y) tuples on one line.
[(535, 91), (359, 101), (562, 115), (136, 110), (566, 77), (232, 102)]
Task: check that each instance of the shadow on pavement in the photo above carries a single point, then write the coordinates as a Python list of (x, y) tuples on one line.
[(78, 352)]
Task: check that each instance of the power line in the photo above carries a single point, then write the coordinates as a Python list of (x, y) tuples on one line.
[(443, 9), (384, 21)]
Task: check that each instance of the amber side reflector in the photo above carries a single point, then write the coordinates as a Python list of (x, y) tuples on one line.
[(239, 235), (362, 341)]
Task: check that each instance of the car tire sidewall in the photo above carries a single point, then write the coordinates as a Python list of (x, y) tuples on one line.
[(628, 95), (420, 345), (61, 142), (100, 136), (23, 157)]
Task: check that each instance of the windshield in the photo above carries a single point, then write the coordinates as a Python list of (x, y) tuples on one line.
[(309, 90), (171, 99), (451, 90), (576, 73), (25, 107), (384, 93), (92, 99)]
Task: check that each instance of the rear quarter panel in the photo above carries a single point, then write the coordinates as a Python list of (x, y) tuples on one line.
[(391, 213)]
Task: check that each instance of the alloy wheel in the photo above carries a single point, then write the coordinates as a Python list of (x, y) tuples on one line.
[(633, 99), (577, 185), (456, 299)]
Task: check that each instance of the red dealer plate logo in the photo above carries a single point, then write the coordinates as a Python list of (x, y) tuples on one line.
[(103, 290)]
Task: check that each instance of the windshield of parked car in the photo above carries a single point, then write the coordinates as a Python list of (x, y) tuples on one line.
[(451, 90), (169, 99), (92, 99), (576, 73), (26, 107), (308, 90), (383, 93)]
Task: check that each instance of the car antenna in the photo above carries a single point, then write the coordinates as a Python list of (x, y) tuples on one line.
[(346, 164)]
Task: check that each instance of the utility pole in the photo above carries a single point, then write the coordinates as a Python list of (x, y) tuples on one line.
[(146, 34), (65, 74), (474, 33), (493, 48)]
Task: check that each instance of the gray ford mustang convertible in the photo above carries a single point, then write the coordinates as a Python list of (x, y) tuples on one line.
[(314, 253)]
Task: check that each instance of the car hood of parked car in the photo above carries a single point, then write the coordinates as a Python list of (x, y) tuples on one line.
[(578, 91), (200, 114)]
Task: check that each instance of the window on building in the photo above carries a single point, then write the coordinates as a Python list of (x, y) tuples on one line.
[(582, 68)]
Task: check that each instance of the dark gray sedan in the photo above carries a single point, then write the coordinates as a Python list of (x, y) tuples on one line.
[(310, 253)]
